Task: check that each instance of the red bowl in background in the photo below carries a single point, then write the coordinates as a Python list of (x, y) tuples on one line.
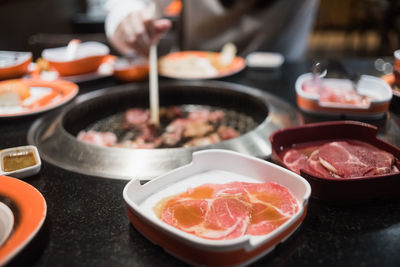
[(340, 190)]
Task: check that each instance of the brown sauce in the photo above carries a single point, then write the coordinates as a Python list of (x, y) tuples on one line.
[(18, 160)]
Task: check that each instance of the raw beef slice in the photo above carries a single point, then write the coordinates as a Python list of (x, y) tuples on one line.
[(354, 159)]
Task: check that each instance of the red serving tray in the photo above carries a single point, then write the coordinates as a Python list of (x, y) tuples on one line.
[(346, 190)]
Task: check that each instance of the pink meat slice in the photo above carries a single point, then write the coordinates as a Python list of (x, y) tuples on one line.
[(314, 165), (226, 218), (354, 159), (220, 218), (98, 138), (226, 211), (295, 160), (137, 116), (272, 194), (272, 205)]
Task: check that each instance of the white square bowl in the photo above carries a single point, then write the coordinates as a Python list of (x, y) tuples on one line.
[(213, 166), (24, 172)]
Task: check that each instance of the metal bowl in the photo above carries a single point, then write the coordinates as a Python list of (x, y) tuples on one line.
[(55, 134)]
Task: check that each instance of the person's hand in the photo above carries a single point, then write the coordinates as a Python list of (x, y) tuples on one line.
[(138, 31)]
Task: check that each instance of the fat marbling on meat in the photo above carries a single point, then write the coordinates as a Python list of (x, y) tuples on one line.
[(227, 211), (341, 159)]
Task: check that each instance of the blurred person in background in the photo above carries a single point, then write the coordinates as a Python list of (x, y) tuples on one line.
[(252, 25)]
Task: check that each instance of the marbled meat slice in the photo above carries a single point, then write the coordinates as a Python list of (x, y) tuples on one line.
[(295, 160), (271, 206), (211, 218), (314, 166), (355, 159), (227, 211)]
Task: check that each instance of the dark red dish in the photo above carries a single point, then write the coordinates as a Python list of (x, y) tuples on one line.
[(339, 190)]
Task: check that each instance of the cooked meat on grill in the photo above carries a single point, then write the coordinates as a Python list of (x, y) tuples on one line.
[(98, 138), (203, 141), (187, 128)]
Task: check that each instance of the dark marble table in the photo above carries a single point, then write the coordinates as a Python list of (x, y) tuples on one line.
[(87, 224)]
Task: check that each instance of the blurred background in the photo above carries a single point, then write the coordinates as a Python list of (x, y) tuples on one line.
[(343, 28)]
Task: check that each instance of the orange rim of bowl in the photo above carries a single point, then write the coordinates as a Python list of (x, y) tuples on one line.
[(78, 66), (313, 106), (133, 73), (16, 70)]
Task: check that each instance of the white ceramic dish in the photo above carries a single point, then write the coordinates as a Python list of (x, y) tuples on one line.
[(24, 172), (6, 222), (368, 86), (86, 49), (264, 60), (213, 166), (13, 58)]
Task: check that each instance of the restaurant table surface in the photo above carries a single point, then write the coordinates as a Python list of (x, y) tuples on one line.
[(87, 222)]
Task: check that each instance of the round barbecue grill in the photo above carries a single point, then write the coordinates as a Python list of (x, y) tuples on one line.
[(253, 113)]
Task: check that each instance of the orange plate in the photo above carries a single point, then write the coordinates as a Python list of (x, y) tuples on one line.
[(236, 66), (61, 92), (32, 212)]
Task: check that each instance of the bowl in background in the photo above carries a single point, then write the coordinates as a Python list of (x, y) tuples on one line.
[(87, 58), (131, 69), (368, 85), (14, 64)]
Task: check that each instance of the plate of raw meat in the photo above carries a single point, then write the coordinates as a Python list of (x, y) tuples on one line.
[(370, 98), (343, 161), (222, 209)]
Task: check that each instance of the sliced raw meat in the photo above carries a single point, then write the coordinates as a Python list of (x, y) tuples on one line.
[(274, 195), (355, 159), (226, 211), (98, 138), (314, 166), (295, 160), (346, 96), (226, 218)]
